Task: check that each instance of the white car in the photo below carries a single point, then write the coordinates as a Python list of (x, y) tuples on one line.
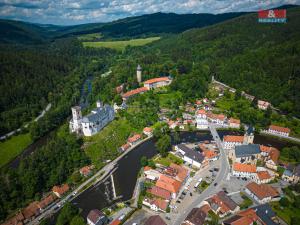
[(122, 217)]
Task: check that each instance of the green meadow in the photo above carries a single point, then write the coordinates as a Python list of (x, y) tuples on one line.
[(120, 45), (12, 147)]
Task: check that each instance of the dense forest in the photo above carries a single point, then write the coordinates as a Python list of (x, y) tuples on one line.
[(257, 58), (38, 173)]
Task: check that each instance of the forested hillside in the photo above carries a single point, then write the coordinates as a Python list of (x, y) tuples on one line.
[(261, 59)]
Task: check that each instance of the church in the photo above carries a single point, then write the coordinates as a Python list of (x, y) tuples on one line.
[(93, 122)]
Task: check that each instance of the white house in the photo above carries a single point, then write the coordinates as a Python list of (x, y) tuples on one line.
[(201, 119), (262, 193), (93, 122), (263, 104), (151, 174), (234, 123), (157, 82), (156, 204), (244, 170), (218, 119), (193, 157), (148, 131), (277, 130), (230, 141)]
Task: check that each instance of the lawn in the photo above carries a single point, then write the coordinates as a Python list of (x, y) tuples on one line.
[(168, 160), (104, 145), (166, 99), (12, 147), (247, 202), (120, 45)]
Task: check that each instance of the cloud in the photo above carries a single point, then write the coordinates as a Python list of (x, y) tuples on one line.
[(69, 12)]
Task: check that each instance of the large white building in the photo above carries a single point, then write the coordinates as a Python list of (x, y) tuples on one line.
[(93, 122), (201, 119), (157, 82)]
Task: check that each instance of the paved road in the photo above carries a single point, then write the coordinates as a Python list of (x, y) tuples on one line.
[(223, 172), (279, 136), (99, 176), (48, 107)]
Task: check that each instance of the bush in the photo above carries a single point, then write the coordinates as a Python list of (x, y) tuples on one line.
[(284, 202)]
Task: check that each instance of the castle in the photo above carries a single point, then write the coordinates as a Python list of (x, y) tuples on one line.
[(93, 122)]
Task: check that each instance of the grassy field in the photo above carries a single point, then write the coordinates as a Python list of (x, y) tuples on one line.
[(168, 160), (89, 37), (120, 45), (247, 202), (166, 99), (285, 213), (104, 145), (12, 147)]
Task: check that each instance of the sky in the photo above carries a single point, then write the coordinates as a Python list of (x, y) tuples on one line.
[(70, 12)]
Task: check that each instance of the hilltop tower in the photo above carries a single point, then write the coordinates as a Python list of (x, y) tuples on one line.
[(139, 74), (75, 123), (249, 135)]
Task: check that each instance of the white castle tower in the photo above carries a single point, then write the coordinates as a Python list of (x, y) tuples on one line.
[(139, 73), (75, 123)]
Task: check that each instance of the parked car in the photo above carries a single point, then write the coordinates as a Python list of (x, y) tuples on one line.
[(191, 194), (215, 184), (178, 201)]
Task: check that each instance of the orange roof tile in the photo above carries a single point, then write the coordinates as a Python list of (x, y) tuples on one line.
[(248, 168), (233, 138), (162, 204), (263, 175), (280, 129), (31, 210), (156, 80), (146, 168), (274, 155), (61, 189), (209, 154), (159, 192), (262, 190), (147, 129), (182, 173), (115, 222), (216, 116), (201, 111), (134, 92), (232, 120), (125, 146), (46, 201), (168, 184), (134, 138)]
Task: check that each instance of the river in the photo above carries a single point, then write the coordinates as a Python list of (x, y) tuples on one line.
[(125, 176)]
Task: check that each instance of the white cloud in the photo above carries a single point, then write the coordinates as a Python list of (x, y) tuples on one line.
[(83, 11)]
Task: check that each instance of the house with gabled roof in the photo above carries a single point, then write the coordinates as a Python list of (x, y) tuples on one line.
[(262, 193)]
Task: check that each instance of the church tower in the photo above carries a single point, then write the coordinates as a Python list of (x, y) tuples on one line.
[(139, 74), (75, 123)]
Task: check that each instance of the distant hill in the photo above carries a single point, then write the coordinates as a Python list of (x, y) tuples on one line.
[(150, 24), (145, 25)]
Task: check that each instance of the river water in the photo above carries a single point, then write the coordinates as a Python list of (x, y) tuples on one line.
[(125, 176)]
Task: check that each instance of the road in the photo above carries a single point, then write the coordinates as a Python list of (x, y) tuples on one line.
[(279, 136), (223, 173), (99, 176), (48, 107)]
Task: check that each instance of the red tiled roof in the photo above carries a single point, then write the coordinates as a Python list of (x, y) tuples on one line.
[(46, 201), (182, 173), (233, 138), (244, 167), (159, 192), (262, 190), (156, 80), (232, 120), (161, 204), (31, 210), (168, 184), (15, 220), (147, 129), (201, 111), (216, 116), (94, 215), (209, 154), (280, 129), (115, 222), (61, 189), (146, 168), (263, 175), (155, 220), (85, 170), (134, 138), (125, 146), (134, 92)]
